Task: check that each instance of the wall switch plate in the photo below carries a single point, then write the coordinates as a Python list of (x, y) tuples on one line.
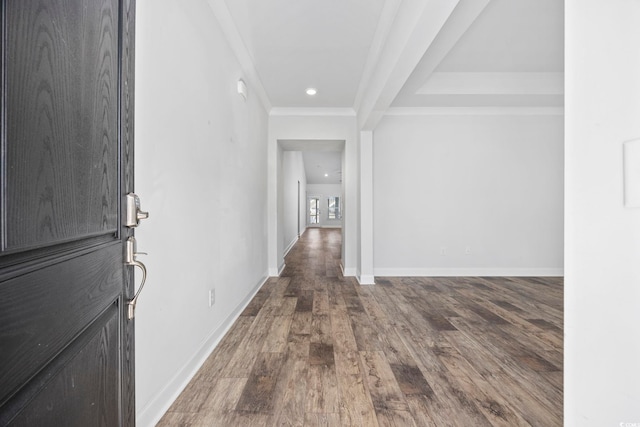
[(467, 250), (632, 174), (212, 297), (443, 251)]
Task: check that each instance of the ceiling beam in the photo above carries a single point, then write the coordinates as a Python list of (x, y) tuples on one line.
[(385, 23), (418, 31)]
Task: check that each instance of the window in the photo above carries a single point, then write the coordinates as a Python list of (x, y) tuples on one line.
[(334, 208)]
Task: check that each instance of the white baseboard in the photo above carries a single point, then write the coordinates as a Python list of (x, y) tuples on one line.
[(156, 408), (273, 272), (331, 226), (348, 272), (366, 279), (291, 245), (435, 272)]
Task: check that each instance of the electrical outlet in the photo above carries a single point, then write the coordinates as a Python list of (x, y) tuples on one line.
[(212, 297), (443, 251), (467, 250)]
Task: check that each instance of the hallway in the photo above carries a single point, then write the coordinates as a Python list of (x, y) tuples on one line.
[(314, 348)]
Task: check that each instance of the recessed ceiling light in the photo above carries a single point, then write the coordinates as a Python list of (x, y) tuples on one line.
[(311, 91), (326, 174)]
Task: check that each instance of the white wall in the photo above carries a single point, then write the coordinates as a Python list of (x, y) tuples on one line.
[(292, 173), (312, 127), (201, 169), (323, 192), (493, 184), (602, 282)]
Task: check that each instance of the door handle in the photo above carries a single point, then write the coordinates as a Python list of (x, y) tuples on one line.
[(130, 259), (134, 213)]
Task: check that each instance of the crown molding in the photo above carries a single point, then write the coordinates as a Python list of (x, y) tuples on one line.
[(316, 112), (475, 111), (233, 37)]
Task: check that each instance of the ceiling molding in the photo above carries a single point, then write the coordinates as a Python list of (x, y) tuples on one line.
[(312, 144), (454, 83), (475, 111), (416, 25), (340, 112), (232, 35)]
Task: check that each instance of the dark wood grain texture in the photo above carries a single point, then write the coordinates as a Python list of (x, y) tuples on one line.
[(36, 324), (67, 153), (407, 351), (88, 394), (62, 128)]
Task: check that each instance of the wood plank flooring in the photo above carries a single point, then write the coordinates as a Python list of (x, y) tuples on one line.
[(314, 348)]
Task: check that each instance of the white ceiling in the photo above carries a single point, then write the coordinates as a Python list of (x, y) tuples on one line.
[(320, 157), (374, 57), (510, 55), (296, 44), (319, 163), (369, 55), (512, 36)]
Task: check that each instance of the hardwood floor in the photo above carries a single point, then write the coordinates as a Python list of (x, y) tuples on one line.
[(316, 349)]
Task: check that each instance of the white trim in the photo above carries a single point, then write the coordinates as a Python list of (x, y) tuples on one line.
[(348, 272), (321, 112), (365, 266), (462, 272), (273, 272), (457, 25), (475, 111), (291, 245), (366, 279), (276, 272), (415, 26), (385, 23), (242, 54), (156, 408), (331, 226)]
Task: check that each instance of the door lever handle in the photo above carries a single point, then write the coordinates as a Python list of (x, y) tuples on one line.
[(130, 259)]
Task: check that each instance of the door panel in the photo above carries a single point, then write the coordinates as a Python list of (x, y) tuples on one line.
[(73, 391), (62, 121), (39, 323), (66, 345)]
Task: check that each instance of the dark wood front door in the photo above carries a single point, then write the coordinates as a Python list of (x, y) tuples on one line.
[(66, 345)]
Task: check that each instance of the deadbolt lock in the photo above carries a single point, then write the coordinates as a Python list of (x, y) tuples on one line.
[(134, 214)]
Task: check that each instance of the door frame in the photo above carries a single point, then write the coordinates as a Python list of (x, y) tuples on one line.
[(126, 128), (286, 135)]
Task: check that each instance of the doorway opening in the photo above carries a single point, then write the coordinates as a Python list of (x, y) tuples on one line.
[(310, 192), (314, 212)]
